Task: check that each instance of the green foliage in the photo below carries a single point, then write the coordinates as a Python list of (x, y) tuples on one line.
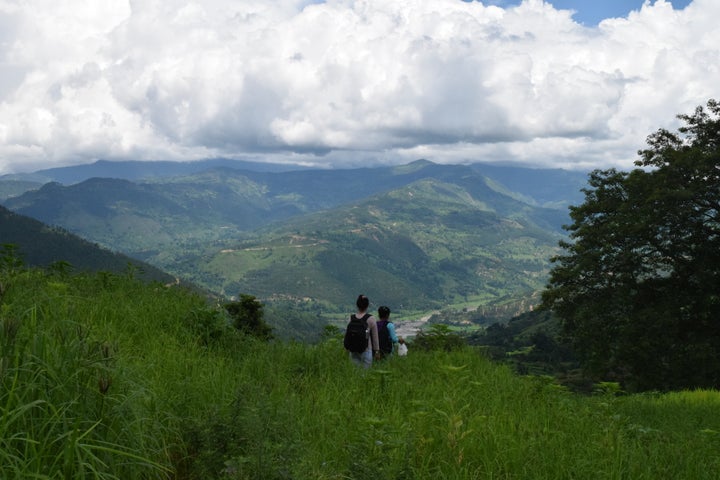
[(438, 337), (209, 324), (103, 376), (66, 408), (247, 316), (531, 343), (299, 320), (10, 259), (36, 244), (331, 332), (608, 388), (637, 289)]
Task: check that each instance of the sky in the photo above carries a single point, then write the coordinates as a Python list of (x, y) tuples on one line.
[(574, 84)]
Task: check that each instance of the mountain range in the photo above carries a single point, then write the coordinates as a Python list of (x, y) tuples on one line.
[(418, 236)]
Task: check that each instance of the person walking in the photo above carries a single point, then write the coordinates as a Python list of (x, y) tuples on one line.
[(361, 335), (387, 337)]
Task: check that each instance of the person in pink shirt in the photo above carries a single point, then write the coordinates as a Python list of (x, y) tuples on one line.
[(365, 357)]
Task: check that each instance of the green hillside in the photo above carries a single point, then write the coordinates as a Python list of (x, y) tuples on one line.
[(420, 247), (420, 236), (37, 244), (124, 216), (172, 215), (107, 377)]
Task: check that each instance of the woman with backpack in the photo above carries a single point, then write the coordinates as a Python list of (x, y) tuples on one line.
[(361, 335)]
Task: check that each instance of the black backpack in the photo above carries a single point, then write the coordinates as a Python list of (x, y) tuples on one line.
[(386, 345), (356, 334)]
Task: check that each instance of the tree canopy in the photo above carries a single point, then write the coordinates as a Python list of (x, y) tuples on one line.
[(637, 287), (248, 316)]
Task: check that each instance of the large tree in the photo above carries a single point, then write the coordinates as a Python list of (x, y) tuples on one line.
[(638, 286)]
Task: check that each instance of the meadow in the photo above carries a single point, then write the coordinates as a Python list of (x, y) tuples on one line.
[(104, 376)]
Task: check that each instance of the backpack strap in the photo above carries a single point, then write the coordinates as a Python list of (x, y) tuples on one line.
[(364, 317)]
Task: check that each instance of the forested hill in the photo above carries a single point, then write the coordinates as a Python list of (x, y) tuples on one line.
[(427, 235), (37, 244)]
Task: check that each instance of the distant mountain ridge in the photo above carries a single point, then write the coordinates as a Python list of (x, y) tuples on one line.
[(429, 232), (543, 187), (140, 217), (138, 170), (553, 188)]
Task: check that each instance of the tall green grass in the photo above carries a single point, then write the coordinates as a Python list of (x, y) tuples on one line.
[(103, 376)]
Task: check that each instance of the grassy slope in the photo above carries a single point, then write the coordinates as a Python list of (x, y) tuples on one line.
[(189, 399)]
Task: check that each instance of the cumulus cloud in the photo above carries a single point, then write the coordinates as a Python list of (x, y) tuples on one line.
[(340, 82)]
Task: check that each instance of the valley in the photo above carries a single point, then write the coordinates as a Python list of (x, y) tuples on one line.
[(420, 237)]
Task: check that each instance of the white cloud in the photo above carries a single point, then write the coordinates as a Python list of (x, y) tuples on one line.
[(343, 81)]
